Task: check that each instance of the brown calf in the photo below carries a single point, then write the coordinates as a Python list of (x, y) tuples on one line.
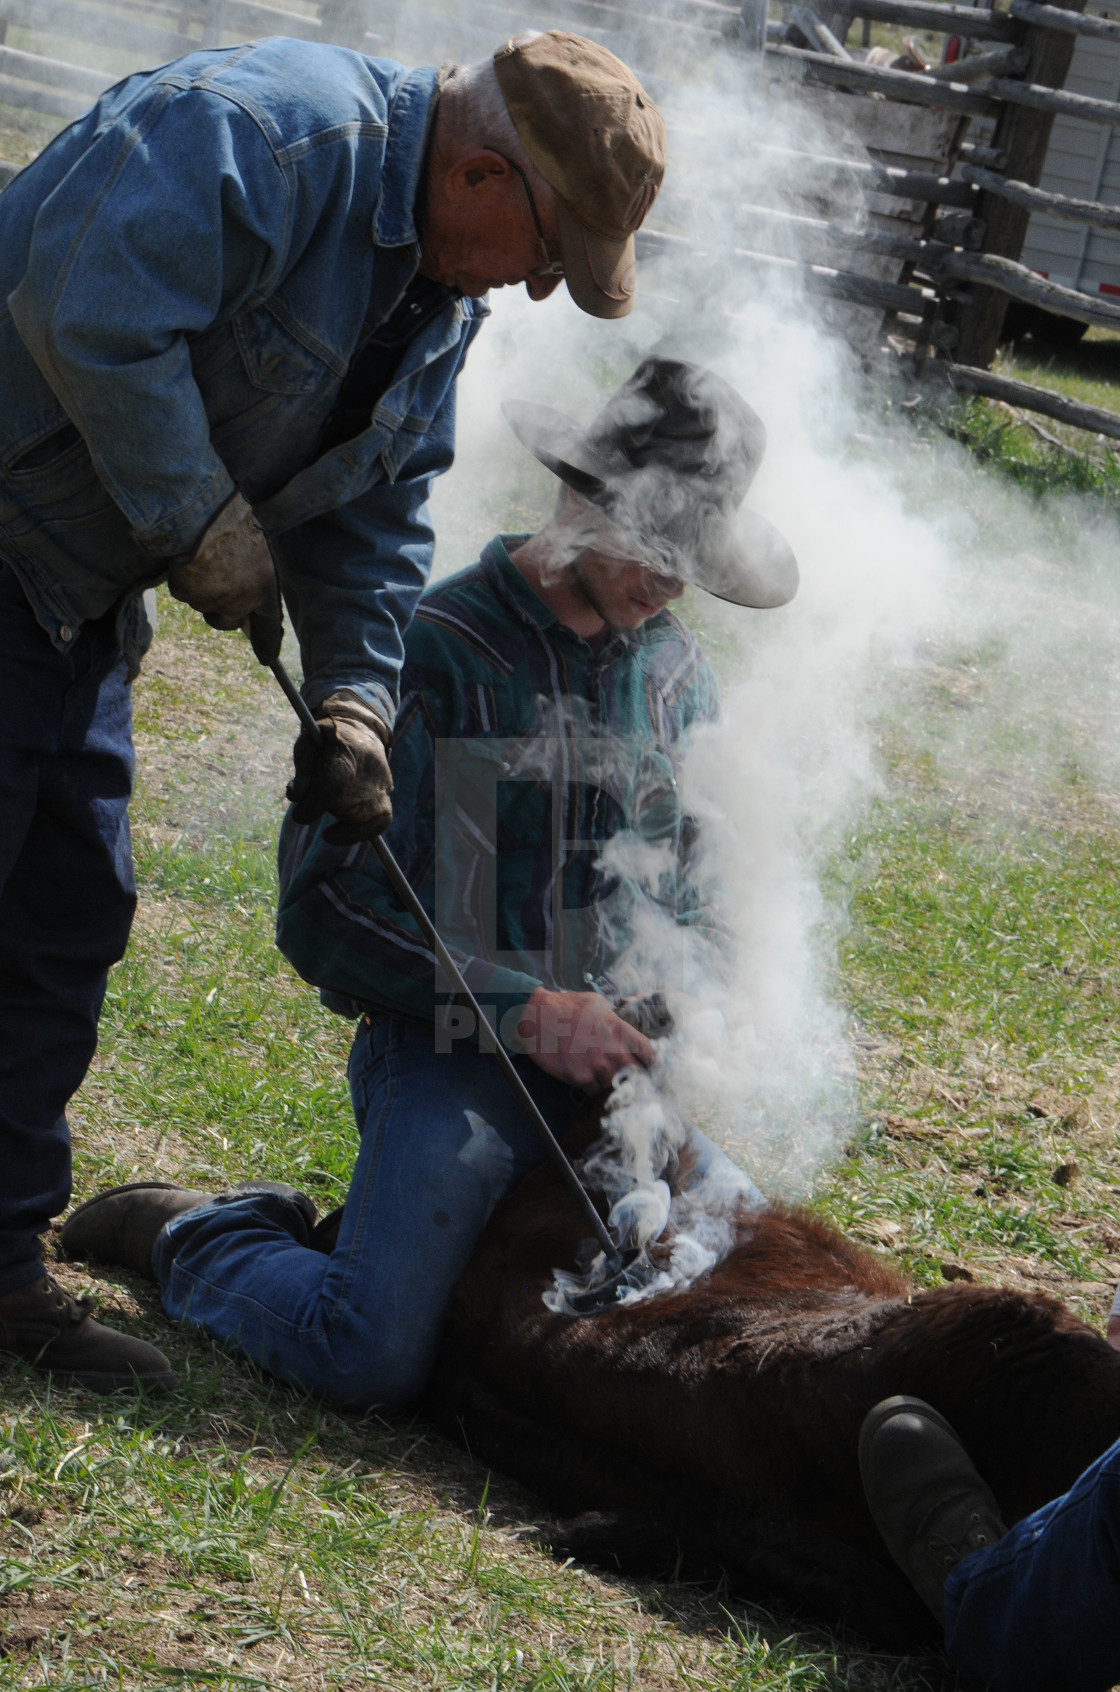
[(717, 1426)]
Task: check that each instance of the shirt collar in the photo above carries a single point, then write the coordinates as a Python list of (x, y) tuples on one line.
[(510, 585), (410, 116)]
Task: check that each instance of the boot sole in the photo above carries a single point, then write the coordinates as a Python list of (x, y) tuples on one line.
[(103, 1383), (97, 1380), (883, 1412)]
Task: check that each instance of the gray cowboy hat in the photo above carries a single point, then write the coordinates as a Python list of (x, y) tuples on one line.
[(669, 460)]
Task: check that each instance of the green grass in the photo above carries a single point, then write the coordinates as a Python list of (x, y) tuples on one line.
[(1008, 440), (992, 961), (1089, 372), (1036, 452)]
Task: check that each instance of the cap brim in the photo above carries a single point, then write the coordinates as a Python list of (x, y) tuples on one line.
[(599, 273), (753, 566)]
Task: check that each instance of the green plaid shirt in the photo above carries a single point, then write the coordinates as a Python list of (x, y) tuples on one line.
[(535, 812)]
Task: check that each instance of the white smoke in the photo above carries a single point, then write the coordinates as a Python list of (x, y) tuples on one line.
[(904, 556)]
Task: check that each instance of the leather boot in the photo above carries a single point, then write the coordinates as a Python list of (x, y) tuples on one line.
[(122, 1225), (928, 1501), (56, 1334)]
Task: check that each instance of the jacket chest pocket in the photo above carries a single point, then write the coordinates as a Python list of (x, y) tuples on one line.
[(274, 360), (407, 409)]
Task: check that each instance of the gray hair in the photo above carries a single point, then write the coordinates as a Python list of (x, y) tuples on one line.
[(481, 116)]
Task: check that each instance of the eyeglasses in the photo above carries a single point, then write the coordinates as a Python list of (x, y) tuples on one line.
[(551, 266)]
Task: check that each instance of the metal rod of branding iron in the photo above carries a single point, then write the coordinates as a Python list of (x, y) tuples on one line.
[(406, 894)]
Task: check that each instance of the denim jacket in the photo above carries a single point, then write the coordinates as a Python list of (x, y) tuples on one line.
[(186, 274)]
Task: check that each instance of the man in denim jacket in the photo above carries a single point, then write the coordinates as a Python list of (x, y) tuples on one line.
[(236, 296)]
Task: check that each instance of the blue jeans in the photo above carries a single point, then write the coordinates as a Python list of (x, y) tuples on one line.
[(441, 1140), (67, 897), (1039, 1611)]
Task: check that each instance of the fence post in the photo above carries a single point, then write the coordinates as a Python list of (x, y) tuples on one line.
[(1024, 134), (213, 22)]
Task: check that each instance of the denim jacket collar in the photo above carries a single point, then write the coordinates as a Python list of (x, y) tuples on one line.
[(411, 115)]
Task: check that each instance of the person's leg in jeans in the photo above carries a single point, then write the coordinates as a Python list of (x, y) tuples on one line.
[(1038, 1612), (442, 1139), (67, 897)]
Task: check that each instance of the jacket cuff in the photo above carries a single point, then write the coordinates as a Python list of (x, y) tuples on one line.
[(175, 538), (371, 693)]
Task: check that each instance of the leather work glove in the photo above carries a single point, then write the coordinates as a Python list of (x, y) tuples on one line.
[(230, 574), (348, 775)]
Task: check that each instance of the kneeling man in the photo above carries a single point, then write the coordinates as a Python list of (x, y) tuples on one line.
[(546, 702)]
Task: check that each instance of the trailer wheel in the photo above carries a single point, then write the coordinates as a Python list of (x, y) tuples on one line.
[(1055, 331), (1018, 321)]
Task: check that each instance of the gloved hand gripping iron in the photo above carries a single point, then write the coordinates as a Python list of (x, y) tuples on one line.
[(229, 575), (341, 756), (621, 1271)]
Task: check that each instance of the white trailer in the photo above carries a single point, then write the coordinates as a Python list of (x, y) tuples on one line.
[(1083, 162)]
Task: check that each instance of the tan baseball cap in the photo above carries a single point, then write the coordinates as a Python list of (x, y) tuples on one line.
[(598, 140)]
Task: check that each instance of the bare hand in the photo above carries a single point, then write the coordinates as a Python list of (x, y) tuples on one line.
[(578, 1038)]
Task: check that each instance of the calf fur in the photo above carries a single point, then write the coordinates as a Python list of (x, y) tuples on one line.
[(717, 1427)]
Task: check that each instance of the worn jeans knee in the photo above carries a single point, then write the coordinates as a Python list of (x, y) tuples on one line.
[(441, 1140)]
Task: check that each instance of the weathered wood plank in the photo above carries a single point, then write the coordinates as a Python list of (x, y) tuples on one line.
[(1005, 61), (91, 23), (1026, 285), (845, 284), (884, 179), (763, 222), (1073, 23), (816, 278), (1054, 102), (946, 20), (909, 137), (245, 17), (818, 34), (968, 379), (1082, 212), (913, 89), (1022, 132), (14, 93), (54, 73), (991, 158)]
